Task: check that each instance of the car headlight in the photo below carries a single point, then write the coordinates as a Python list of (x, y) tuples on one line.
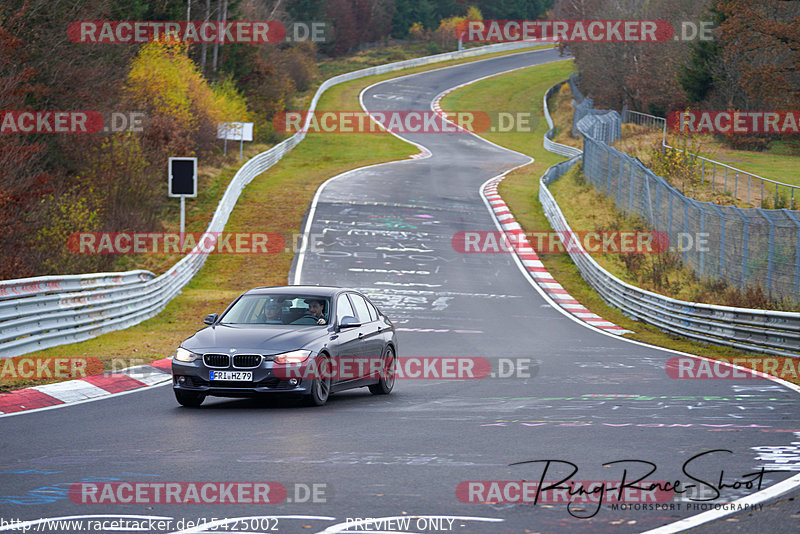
[(183, 355), (293, 357)]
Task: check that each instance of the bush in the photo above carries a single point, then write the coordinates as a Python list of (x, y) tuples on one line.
[(677, 166), (62, 216)]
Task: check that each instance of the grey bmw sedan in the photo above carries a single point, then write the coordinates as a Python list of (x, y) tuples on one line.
[(308, 341)]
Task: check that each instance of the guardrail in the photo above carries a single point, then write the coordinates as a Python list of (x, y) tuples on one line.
[(37, 313), (549, 144), (771, 332)]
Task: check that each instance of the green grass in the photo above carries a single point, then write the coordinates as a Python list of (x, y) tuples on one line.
[(778, 163), (775, 164), (275, 201), (523, 90)]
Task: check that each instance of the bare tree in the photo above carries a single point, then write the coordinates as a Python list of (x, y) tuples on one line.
[(204, 48)]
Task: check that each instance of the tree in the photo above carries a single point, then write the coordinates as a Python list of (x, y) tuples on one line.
[(306, 10), (514, 9)]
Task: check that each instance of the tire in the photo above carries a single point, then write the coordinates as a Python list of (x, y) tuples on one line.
[(386, 382), (320, 387), (189, 398)]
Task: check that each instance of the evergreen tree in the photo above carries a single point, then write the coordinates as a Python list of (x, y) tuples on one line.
[(696, 77)]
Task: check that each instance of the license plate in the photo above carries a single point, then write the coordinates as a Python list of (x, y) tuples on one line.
[(241, 376)]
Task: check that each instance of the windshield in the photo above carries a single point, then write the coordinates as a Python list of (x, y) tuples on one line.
[(283, 309)]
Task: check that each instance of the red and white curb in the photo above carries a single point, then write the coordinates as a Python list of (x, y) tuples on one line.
[(534, 267), (436, 105), (424, 153), (89, 388)]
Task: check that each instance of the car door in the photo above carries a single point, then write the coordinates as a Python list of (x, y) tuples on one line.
[(348, 343), (370, 335)]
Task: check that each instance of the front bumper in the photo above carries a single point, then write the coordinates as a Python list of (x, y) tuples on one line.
[(194, 376)]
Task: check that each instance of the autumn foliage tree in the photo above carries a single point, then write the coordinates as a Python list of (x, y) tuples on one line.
[(447, 34), (642, 76), (760, 53), (23, 180)]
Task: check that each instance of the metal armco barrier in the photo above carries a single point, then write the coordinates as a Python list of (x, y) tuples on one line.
[(37, 313), (549, 144), (770, 332)]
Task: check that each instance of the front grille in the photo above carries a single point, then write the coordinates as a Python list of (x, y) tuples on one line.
[(246, 361), (216, 360)]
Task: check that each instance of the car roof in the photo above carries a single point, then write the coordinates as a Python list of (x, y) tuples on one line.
[(311, 291)]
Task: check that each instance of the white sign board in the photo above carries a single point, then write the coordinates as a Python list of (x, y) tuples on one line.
[(235, 131)]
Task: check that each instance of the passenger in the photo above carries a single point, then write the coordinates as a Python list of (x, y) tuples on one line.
[(271, 313)]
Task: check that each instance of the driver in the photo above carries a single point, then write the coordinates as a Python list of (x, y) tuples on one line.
[(316, 310)]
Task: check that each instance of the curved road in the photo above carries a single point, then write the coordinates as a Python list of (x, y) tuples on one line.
[(591, 398)]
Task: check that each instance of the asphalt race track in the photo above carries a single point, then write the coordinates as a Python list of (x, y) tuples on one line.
[(590, 398)]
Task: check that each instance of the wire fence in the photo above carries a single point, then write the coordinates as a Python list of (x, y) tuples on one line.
[(739, 184), (743, 246)]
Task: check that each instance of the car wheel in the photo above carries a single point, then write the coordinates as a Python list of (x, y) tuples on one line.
[(386, 382), (189, 398), (321, 387)]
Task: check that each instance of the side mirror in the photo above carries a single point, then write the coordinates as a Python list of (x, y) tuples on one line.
[(211, 318), (348, 321)]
